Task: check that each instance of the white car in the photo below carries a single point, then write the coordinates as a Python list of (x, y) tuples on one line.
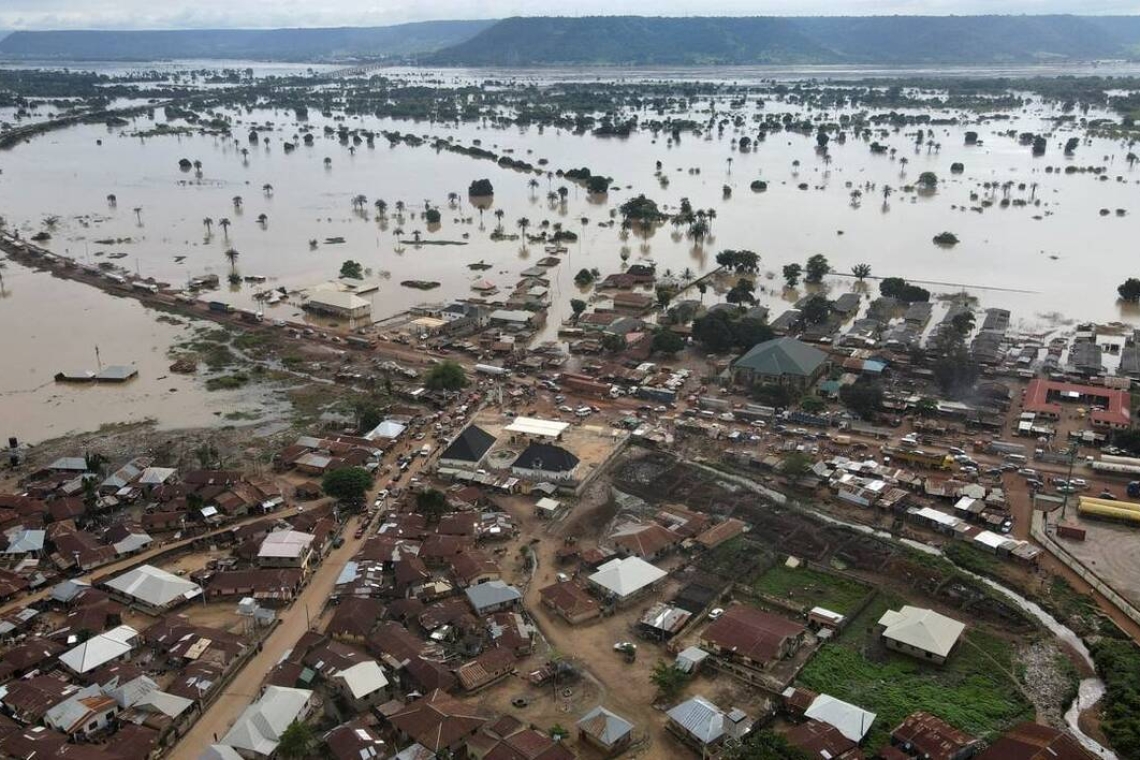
[(622, 646), (716, 613)]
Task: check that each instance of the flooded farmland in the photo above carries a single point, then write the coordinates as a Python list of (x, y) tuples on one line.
[(1047, 241)]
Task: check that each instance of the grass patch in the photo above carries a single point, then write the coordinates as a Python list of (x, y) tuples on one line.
[(975, 690), (240, 416), (735, 558), (227, 382), (248, 341), (1118, 662), (809, 588), (292, 360)]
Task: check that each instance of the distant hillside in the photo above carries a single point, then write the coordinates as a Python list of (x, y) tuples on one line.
[(256, 44), (638, 40)]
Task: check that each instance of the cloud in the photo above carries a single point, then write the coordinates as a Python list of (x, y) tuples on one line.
[(200, 14)]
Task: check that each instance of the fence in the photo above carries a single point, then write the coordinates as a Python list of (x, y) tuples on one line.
[(1040, 532)]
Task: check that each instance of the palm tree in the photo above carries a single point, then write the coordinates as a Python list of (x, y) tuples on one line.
[(452, 199), (523, 223), (232, 254), (532, 184), (861, 271), (887, 190), (209, 226), (381, 207), (267, 189), (112, 199), (499, 217), (224, 223), (359, 202), (237, 201), (262, 219), (552, 197), (400, 207)]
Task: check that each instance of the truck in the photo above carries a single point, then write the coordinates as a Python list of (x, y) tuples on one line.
[(920, 458), (660, 395), (583, 384), (1116, 468), (491, 369), (223, 308), (359, 341), (250, 316), (1006, 447)]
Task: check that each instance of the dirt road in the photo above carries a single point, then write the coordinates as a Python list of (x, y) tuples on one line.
[(246, 685)]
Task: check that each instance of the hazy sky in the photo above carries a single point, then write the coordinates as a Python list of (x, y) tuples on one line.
[(170, 14)]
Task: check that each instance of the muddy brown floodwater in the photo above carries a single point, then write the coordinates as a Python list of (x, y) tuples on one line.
[(48, 325)]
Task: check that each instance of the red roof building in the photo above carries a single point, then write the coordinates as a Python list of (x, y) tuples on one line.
[(1110, 407)]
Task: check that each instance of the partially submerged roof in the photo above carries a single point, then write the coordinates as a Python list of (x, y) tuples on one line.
[(922, 629), (154, 586)]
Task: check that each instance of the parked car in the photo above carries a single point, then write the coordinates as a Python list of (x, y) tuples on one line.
[(716, 613)]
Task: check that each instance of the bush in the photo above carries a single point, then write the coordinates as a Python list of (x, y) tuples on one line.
[(946, 238), (480, 187), (446, 376), (348, 484)]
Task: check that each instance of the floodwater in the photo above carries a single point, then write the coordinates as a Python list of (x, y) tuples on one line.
[(51, 325), (1051, 261)]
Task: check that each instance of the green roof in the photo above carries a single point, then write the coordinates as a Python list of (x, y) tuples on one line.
[(782, 356)]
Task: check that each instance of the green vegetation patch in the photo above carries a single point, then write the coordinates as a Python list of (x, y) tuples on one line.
[(227, 382), (1118, 662), (734, 558), (809, 588), (976, 690)]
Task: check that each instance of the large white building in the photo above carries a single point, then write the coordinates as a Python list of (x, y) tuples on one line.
[(624, 579), (258, 731), (153, 589), (286, 548), (920, 633)]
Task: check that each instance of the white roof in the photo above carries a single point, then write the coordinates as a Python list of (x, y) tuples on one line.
[(220, 752), (24, 541), (339, 300), (363, 678), (853, 722), (386, 429), (132, 543), (699, 717), (936, 516), (922, 629), (823, 612), (153, 476), (624, 577), (990, 539), (99, 650), (154, 586), (537, 427), (260, 727), (547, 503), (610, 729), (689, 658), (965, 503), (285, 543)]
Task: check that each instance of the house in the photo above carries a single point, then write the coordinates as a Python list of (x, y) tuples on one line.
[(272, 585), (82, 714), (31, 654), (920, 633), (355, 740), (28, 700), (606, 731), (690, 659), (931, 738), (648, 541), (852, 721), (704, 726), (780, 361), (721, 532), (364, 684), (354, 618), (488, 668), (438, 722), (750, 637), (663, 621), (545, 461), (26, 542), (1032, 741), (528, 744), (286, 548), (472, 568), (259, 728), (492, 596), (571, 602), (338, 304), (625, 579), (822, 740), (153, 589), (112, 646), (468, 450)]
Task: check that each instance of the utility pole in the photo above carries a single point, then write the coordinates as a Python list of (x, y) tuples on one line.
[(1069, 477)]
